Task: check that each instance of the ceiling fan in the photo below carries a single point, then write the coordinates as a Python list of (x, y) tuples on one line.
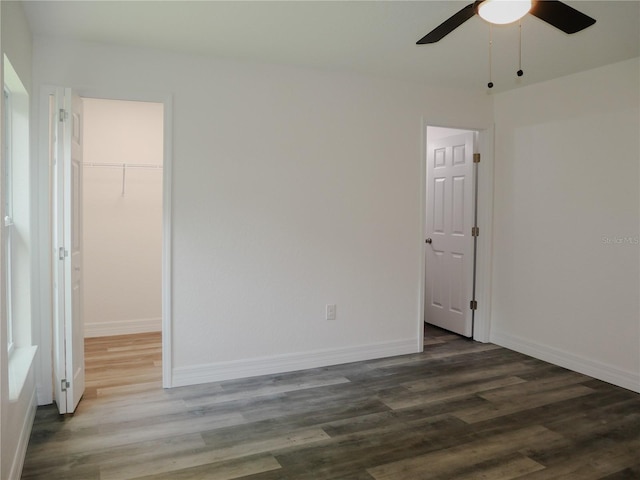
[(554, 12)]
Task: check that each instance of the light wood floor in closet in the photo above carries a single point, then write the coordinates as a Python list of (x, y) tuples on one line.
[(459, 411), (123, 364)]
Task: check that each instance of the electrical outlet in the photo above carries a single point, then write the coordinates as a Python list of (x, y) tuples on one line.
[(331, 312)]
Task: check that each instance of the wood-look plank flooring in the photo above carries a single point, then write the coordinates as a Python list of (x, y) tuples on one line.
[(459, 411), (122, 364)]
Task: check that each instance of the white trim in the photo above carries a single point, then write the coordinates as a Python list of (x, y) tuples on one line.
[(485, 239), (20, 364), (122, 327), (23, 440), (43, 332), (600, 370), (215, 372), (167, 242), (423, 233)]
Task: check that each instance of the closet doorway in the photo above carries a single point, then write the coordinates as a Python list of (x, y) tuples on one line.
[(122, 211)]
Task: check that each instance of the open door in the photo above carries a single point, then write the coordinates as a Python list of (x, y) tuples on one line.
[(450, 241), (66, 116)]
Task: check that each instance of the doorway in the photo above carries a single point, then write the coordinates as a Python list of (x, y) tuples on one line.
[(451, 229), (122, 243), (62, 115), (122, 217)]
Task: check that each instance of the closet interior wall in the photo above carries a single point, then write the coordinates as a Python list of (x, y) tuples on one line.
[(122, 216)]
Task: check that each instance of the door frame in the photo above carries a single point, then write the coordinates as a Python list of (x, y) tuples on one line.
[(44, 334), (482, 320)]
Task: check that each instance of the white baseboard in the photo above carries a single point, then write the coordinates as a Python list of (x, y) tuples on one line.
[(122, 327), (601, 371), (215, 372), (23, 439)]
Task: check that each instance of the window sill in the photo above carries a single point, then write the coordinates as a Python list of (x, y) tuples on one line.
[(20, 362)]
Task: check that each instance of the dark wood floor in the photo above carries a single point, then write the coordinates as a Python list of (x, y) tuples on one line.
[(459, 411)]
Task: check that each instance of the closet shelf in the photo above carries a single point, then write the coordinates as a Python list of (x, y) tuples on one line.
[(122, 165)]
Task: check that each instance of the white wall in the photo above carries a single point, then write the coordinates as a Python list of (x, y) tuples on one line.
[(566, 222), (122, 233), (292, 188), (17, 374), (17, 41)]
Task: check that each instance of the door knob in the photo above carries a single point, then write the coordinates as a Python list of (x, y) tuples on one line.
[(428, 240)]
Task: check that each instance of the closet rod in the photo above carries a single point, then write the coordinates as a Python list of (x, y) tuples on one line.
[(122, 165)]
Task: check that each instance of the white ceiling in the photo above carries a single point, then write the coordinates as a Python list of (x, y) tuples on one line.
[(369, 37)]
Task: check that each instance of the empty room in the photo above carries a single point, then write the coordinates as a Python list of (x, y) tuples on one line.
[(391, 240)]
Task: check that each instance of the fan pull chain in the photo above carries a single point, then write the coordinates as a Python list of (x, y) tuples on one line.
[(520, 72), (490, 84)]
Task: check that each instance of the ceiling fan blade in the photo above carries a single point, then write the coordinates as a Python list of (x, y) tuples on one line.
[(561, 16), (448, 25)]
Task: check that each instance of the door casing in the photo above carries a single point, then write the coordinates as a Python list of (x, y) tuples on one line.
[(43, 333)]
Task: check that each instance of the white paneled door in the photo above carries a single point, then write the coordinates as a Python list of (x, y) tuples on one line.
[(449, 243), (67, 212)]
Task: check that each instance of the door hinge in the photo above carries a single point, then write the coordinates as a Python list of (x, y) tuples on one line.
[(64, 385), (473, 304), (476, 158), (62, 253), (475, 231), (63, 114)]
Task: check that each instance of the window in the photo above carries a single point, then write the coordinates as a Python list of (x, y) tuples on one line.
[(16, 213), (15, 200)]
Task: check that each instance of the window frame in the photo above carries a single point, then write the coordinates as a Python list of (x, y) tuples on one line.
[(9, 226), (16, 214)]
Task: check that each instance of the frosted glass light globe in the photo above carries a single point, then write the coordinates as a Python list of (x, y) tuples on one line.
[(503, 11)]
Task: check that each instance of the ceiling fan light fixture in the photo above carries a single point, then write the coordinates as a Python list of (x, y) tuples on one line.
[(501, 12)]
